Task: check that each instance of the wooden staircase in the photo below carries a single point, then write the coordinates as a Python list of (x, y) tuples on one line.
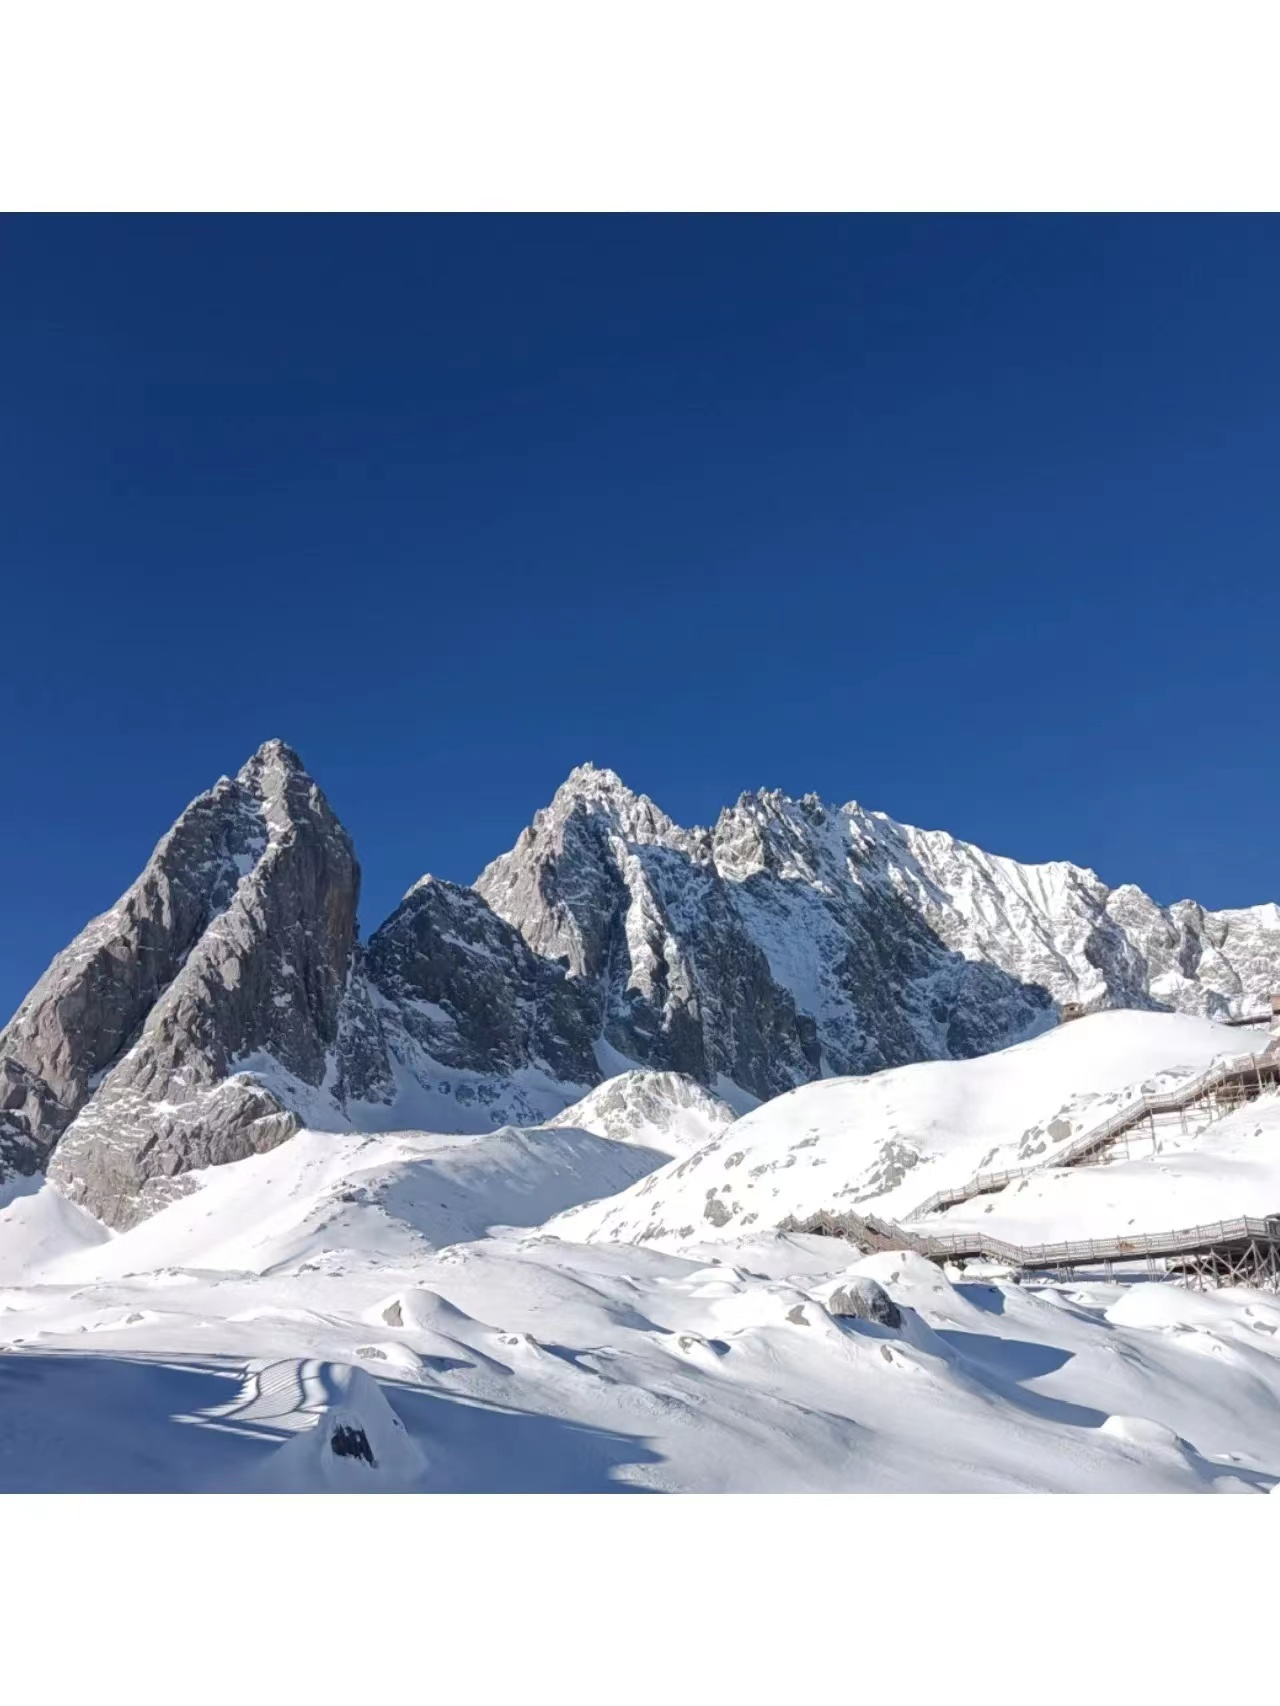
[(1224, 1252), (1221, 1252), (1220, 1090)]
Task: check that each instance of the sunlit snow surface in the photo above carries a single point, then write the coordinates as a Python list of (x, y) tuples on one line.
[(889, 1141), (396, 1312)]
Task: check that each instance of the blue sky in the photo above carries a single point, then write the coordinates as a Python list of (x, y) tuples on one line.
[(972, 520)]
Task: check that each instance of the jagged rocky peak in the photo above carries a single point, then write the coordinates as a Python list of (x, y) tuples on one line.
[(218, 1006), (769, 831), (615, 812), (631, 905), (850, 941), (225, 997), (472, 995), (93, 998), (559, 885), (604, 793), (287, 795)]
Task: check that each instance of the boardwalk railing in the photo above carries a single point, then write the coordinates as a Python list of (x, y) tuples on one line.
[(1185, 1241), (1226, 1239), (1250, 1072)]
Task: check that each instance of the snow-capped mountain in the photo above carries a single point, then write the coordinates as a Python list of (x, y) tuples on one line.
[(225, 999), (796, 940)]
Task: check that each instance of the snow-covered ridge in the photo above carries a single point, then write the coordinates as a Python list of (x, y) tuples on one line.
[(884, 1143), (661, 1109)]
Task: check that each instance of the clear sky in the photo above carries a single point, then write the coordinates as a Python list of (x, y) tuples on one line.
[(972, 520)]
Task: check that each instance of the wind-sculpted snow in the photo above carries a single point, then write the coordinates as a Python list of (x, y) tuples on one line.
[(293, 1325), (889, 1141)]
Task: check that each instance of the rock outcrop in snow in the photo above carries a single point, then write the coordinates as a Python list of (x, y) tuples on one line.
[(662, 1110), (861, 1299)]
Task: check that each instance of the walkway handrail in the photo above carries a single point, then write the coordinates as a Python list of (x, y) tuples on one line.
[(1187, 1240), (1184, 1241), (1171, 1101)]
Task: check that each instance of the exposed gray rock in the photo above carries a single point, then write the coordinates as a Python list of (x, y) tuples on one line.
[(224, 1001), (267, 1005), (634, 909), (93, 999), (864, 1300), (473, 995), (795, 939)]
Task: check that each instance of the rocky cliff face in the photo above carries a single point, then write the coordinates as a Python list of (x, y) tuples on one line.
[(225, 1000), (236, 949), (94, 997), (768, 951), (473, 996), (636, 911), (796, 939)]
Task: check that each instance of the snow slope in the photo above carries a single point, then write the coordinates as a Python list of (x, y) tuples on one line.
[(395, 1195), (386, 1313), (890, 1140), (385, 1193), (1231, 1168), (520, 1363)]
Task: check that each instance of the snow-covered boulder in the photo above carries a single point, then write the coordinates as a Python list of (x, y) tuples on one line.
[(861, 1299), (356, 1444)]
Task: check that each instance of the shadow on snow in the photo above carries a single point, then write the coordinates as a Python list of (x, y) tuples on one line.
[(73, 1422)]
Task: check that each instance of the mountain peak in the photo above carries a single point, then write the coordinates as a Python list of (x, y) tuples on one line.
[(595, 779), (603, 794), (273, 756)]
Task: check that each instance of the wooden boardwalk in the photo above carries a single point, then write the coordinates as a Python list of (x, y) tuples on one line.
[(1224, 1087), (1221, 1252)]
